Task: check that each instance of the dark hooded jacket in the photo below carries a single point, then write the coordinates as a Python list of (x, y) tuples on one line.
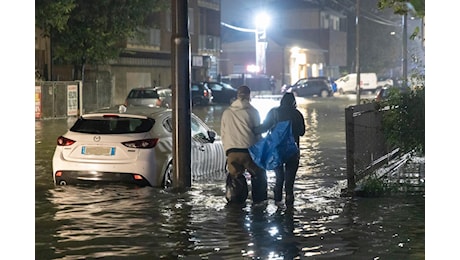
[(286, 111)]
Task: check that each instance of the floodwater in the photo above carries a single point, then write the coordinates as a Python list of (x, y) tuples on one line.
[(125, 222)]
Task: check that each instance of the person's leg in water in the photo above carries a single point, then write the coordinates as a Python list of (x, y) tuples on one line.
[(258, 180), (279, 183), (291, 168), (236, 184), (259, 186)]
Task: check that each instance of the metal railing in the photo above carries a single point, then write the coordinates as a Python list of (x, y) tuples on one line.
[(366, 147)]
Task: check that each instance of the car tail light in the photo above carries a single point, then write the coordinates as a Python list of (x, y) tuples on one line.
[(62, 141), (146, 143), (138, 177)]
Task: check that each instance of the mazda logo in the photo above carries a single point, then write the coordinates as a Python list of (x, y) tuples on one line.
[(97, 138)]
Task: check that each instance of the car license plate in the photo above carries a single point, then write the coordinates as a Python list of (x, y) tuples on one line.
[(98, 150)]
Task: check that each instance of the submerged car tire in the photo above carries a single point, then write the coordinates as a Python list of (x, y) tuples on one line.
[(324, 93), (168, 177)]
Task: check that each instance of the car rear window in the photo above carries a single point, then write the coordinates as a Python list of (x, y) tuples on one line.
[(143, 93), (112, 125)]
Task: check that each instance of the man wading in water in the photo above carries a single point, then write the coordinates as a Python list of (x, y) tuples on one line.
[(237, 124)]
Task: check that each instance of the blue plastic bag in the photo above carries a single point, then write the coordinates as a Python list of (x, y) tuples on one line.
[(274, 149)]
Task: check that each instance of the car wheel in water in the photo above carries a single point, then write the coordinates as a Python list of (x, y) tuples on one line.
[(324, 93), (168, 177)]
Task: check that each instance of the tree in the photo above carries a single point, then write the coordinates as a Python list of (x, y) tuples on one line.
[(91, 32), (402, 7), (52, 15), (404, 123), (380, 34)]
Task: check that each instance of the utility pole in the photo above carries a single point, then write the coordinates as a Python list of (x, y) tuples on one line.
[(181, 104), (358, 70), (404, 51)]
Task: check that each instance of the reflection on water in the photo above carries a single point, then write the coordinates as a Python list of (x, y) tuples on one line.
[(80, 222)]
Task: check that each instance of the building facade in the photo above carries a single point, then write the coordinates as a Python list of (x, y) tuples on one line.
[(303, 40), (146, 60)]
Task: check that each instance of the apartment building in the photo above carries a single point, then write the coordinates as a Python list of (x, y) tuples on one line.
[(149, 64), (146, 60), (302, 40)]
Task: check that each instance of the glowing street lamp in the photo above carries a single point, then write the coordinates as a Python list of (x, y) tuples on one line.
[(262, 21)]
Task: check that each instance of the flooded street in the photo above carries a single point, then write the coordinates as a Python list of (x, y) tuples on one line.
[(125, 222)]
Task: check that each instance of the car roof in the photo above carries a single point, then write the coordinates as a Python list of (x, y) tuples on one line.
[(227, 85), (148, 88), (123, 111), (316, 79)]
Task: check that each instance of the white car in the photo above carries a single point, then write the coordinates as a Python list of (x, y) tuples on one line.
[(132, 145), (384, 83)]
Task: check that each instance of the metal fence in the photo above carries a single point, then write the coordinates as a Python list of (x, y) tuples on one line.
[(366, 147), (97, 90), (60, 99), (57, 99)]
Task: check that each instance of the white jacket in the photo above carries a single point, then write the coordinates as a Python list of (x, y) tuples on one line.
[(237, 124)]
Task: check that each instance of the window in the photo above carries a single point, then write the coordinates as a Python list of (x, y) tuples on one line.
[(335, 23), (112, 125), (215, 87), (191, 23), (168, 21), (195, 87), (155, 37), (324, 21), (199, 132)]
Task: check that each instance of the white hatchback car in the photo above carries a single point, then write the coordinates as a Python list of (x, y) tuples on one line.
[(132, 145)]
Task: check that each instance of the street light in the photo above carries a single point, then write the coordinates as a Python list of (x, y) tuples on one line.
[(262, 21)]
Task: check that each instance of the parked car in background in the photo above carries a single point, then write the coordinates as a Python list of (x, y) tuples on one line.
[(150, 97), (201, 94), (132, 145), (165, 97), (222, 92), (347, 83), (385, 92), (309, 87)]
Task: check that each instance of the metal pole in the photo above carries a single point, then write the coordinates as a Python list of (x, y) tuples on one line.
[(350, 148), (181, 104), (358, 70), (404, 51), (81, 111)]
